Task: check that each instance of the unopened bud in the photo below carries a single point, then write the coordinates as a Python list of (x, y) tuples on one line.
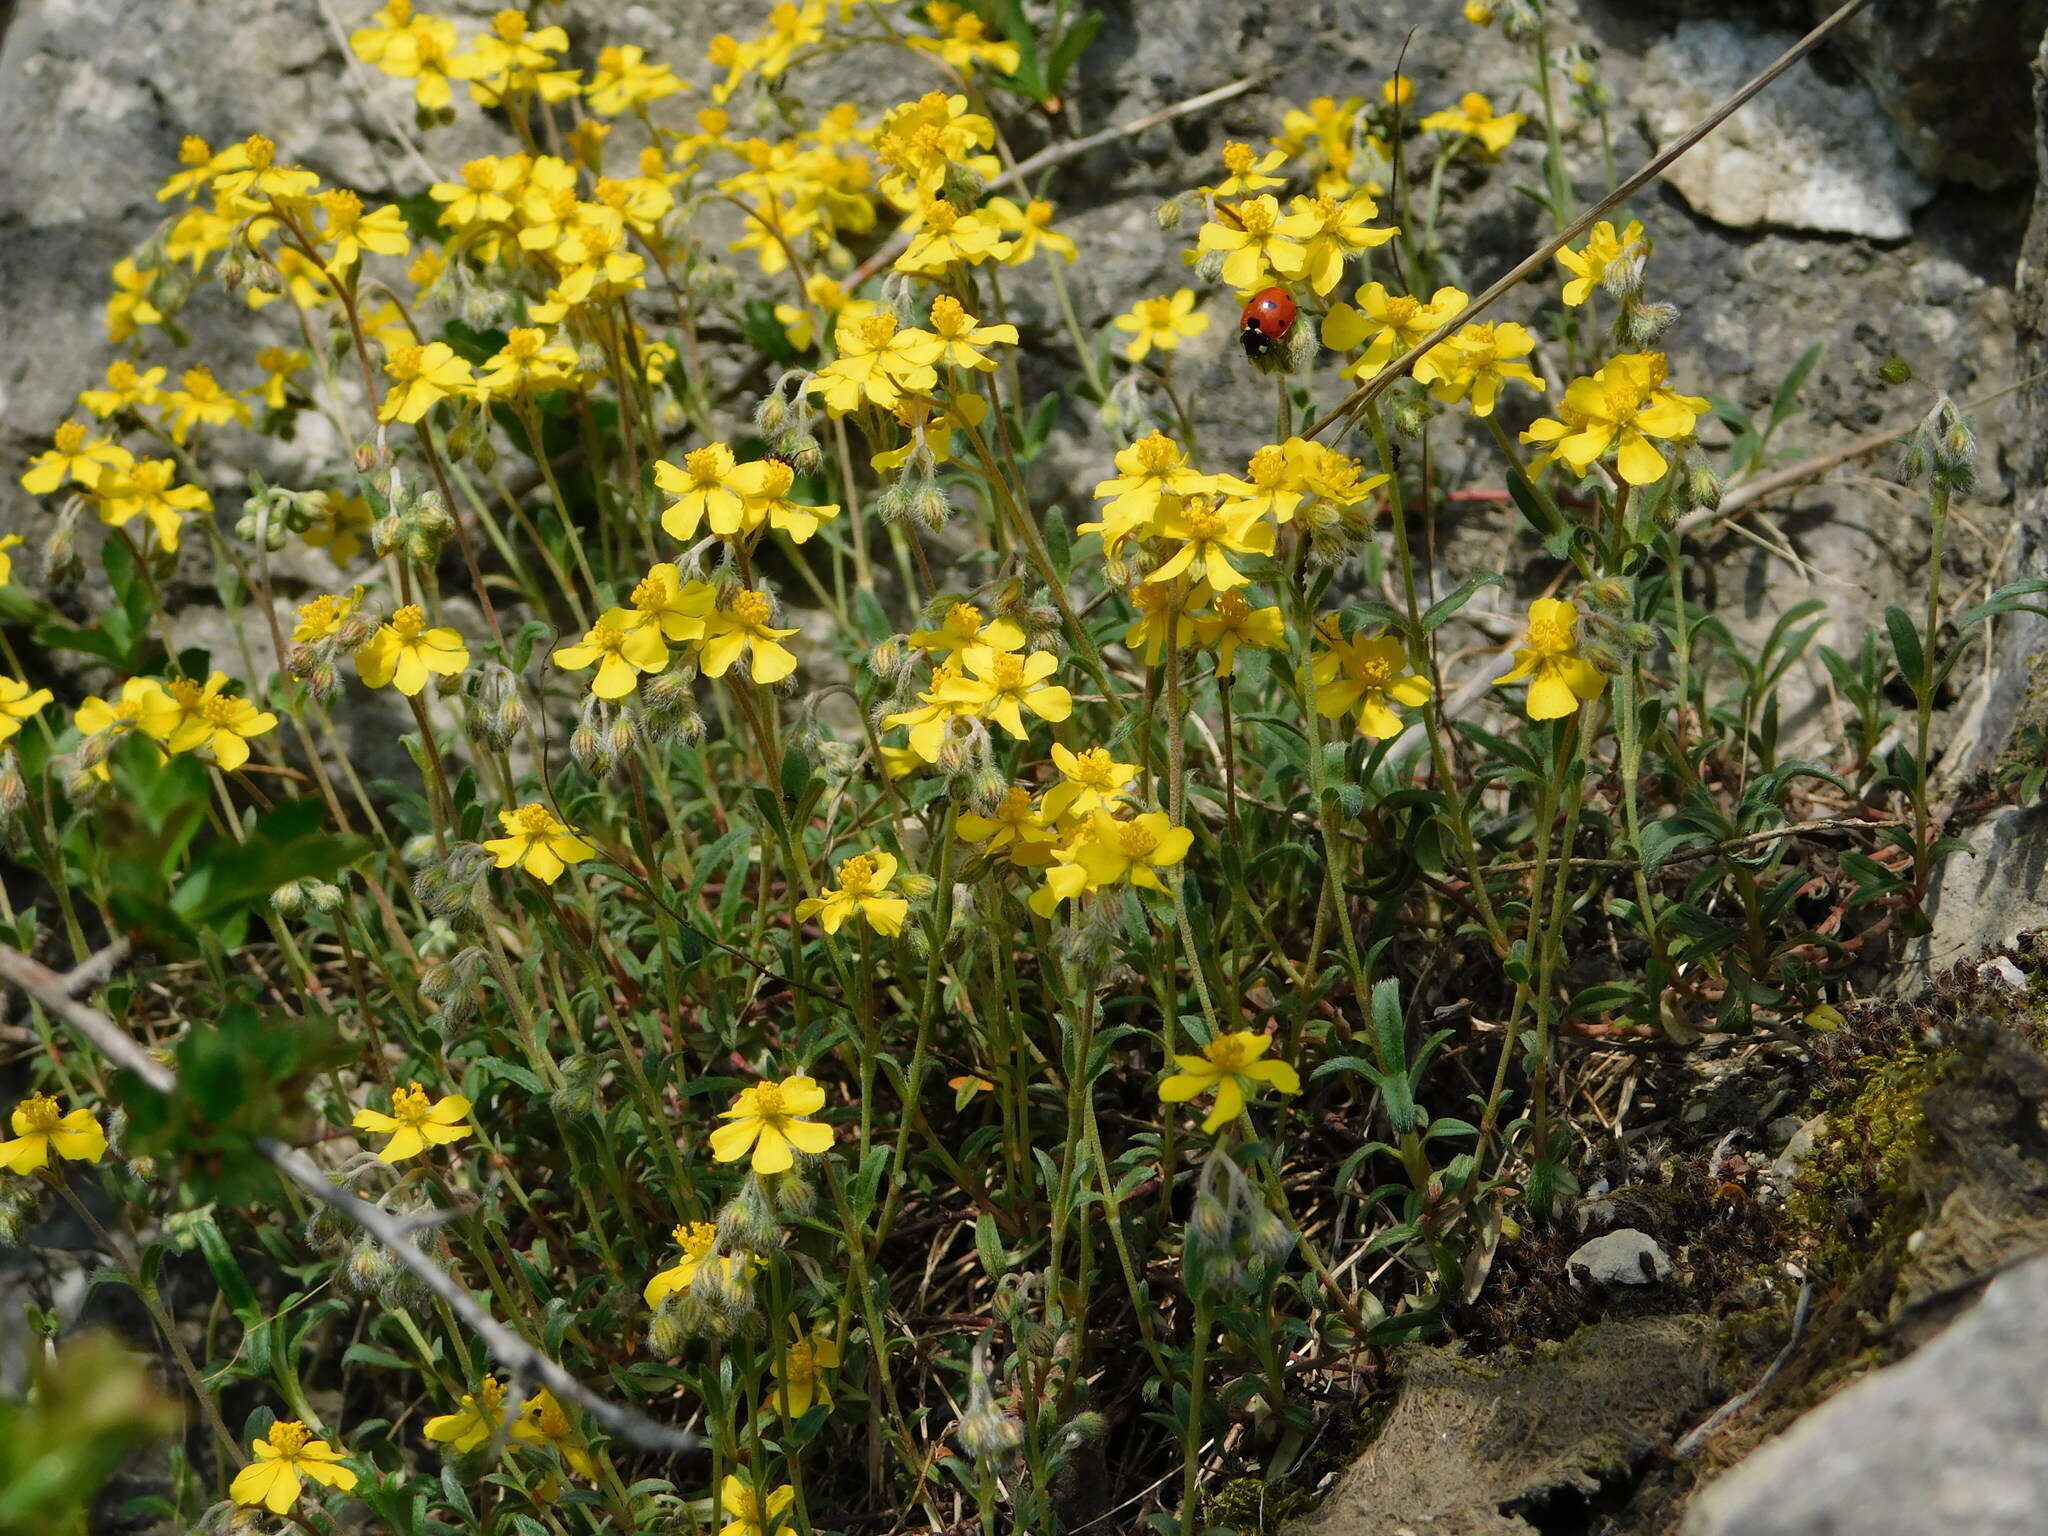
[(1169, 214)]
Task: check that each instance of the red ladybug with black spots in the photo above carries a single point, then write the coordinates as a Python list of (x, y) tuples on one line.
[(1265, 323)]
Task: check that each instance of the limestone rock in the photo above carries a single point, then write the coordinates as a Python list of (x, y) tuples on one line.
[(1995, 892), (1808, 155), (1621, 1257), (1954, 1438)]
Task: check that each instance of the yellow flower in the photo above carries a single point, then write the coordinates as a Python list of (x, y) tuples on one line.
[(877, 362), (1229, 1066), (1603, 248), (1153, 467), (702, 487), (753, 1515), (1161, 323), (963, 40), (799, 1378), (943, 235), (1250, 234), (1165, 618), (215, 722), (1479, 12), (697, 1239), (1395, 322), (928, 723), (623, 80), (512, 59), (1030, 230), (476, 1422), (404, 652), (1474, 116), (1233, 622), (340, 525), (278, 365), (196, 157), (483, 196), (963, 335), (130, 305), (921, 140), (620, 649), (662, 600), (554, 1426), (415, 1123), (1113, 851), (1209, 535), (1476, 361), (1248, 171), (1397, 91), (1090, 780), (1274, 480), (285, 1457), (149, 491), (1618, 409), (1331, 232), (527, 365), (142, 706), (964, 627), (863, 887), (1001, 685), (768, 1119), (1548, 659), (423, 52), (39, 1130), (538, 843), (1362, 673), (351, 232), (127, 388), (387, 25), (17, 704), (1016, 827), (248, 172), (742, 626), (764, 489), (828, 298), (73, 456), (425, 375)]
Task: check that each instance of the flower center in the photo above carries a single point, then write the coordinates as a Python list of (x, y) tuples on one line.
[(1238, 158), (857, 875), (1550, 637), (410, 1104), (1375, 671), (949, 319), (408, 623), (751, 608), (288, 1437), (800, 1365), (260, 152), (941, 216), (768, 1100), (1009, 673), (704, 465), (776, 479), (218, 711), (1135, 840), (964, 619), (407, 364), (1204, 523), (1232, 608), (70, 437), (605, 638), (1268, 467), (1095, 768), (1016, 806), (534, 820), (695, 1239), (509, 26), (192, 150), (524, 343), (1228, 1054), (1257, 218), (39, 1112), (876, 331), (1157, 454)]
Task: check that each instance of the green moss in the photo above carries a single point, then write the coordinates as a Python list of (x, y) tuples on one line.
[(1849, 1203), (1253, 1507)]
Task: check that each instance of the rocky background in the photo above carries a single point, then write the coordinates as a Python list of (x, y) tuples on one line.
[(1877, 200)]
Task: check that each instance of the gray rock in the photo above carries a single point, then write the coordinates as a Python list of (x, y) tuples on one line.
[(1622, 1257), (1954, 1438), (1996, 891), (1808, 155), (1785, 1169)]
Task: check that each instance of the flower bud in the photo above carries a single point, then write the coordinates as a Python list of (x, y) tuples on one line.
[(1170, 213), (1894, 371), (13, 787), (666, 1336), (289, 899), (748, 1223)]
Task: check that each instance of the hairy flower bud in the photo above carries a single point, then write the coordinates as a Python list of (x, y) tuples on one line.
[(1170, 214)]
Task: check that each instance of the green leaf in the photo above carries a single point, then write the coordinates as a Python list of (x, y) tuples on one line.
[(1444, 607), (1788, 392), (1068, 50), (1906, 645)]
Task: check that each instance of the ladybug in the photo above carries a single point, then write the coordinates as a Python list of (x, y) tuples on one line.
[(1265, 322)]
